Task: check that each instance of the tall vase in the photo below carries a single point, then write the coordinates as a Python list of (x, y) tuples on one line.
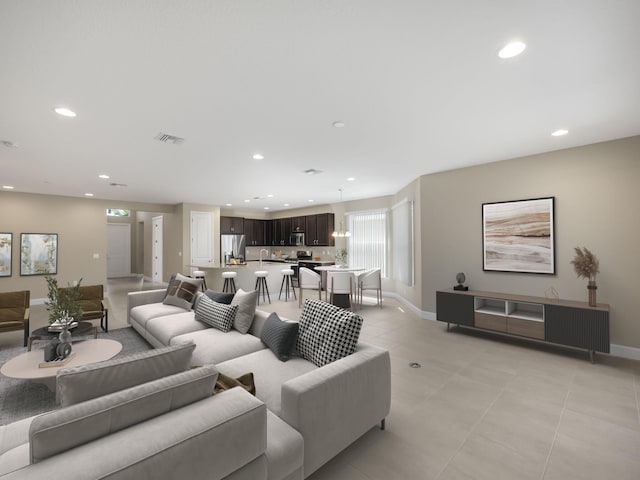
[(65, 335), (592, 287)]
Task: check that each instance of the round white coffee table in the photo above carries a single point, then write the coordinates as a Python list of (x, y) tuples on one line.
[(25, 366)]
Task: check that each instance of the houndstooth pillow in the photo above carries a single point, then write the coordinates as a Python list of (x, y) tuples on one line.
[(218, 315), (313, 314), (327, 333), (337, 337)]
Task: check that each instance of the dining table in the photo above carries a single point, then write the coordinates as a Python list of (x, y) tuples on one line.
[(340, 299)]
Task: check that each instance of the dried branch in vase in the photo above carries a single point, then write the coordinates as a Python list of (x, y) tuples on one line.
[(585, 264)]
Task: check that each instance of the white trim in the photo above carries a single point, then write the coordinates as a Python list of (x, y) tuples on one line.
[(623, 351)]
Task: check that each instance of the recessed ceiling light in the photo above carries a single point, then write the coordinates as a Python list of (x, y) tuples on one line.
[(338, 124), (247, 201), (88, 194), (310, 200), (285, 204), (512, 49), (560, 132), (258, 156), (351, 179), (270, 195), (8, 187), (229, 204), (266, 208), (65, 112), (104, 176)]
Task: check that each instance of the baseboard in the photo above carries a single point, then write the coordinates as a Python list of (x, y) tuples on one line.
[(623, 351)]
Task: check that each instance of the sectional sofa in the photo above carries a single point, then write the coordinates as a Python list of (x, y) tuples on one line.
[(330, 405)]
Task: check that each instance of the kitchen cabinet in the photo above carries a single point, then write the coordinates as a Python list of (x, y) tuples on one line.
[(298, 224), (256, 232), (231, 225), (281, 231), (319, 229)]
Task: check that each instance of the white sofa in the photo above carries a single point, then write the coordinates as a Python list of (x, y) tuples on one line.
[(169, 427), (330, 406)]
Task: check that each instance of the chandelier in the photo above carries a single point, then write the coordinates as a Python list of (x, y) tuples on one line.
[(341, 232)]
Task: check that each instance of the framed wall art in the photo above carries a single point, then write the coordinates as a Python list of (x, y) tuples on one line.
[(38, 253), (5, 254), (519, 236)]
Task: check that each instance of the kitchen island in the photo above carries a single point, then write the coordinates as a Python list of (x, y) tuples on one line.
[(246, 279)]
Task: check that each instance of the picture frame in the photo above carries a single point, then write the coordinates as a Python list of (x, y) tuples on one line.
[(38, 254), (6, 243), (519, 236)]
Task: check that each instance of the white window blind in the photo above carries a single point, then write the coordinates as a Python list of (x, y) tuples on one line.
[(367, 245)]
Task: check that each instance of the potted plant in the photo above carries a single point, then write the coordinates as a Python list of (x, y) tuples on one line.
[(587, 266), (341, 257), (63, 304)]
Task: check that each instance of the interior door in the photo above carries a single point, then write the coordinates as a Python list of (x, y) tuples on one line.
[(201, 238), (118, 250), (157, 240)]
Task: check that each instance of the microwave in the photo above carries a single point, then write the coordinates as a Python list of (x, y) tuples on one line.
[(296, 239)]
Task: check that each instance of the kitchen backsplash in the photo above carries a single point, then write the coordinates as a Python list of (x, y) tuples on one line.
[(325, 253)]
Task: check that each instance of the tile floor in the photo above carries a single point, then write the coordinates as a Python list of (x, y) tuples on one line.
[(480, 407)]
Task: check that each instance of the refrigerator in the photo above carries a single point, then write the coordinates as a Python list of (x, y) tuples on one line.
[(232, 246)]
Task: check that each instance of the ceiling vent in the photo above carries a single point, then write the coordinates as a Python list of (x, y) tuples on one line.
[(120, 185), (166, 138), (312, 171)]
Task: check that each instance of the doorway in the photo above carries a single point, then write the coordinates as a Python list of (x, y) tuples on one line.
[(201, 244), (118, 250)]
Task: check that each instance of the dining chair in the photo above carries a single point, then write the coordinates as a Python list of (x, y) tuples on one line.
[(370, 280), (340, 283), (308, 280)]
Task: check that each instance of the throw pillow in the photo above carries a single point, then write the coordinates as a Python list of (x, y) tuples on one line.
[(337, 337), (220, 297), (313, 314), (244, 381), (247, 302), (217, 315), (279, 336), (182, 292)]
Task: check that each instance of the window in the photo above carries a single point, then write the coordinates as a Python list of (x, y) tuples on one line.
[(118, 212), (367, 244)]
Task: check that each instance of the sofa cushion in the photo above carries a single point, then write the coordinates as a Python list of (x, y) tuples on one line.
[(143, 313), (163, 329), (269, 374), (77, 384), (285, 449), (279, 336), (220, 297), (182, 291), (64, 429), (214, 314), (214, 346), (247, 302), (14, 445)]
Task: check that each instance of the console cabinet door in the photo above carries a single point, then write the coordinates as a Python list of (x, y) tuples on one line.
[(454, 308), (577, 327)]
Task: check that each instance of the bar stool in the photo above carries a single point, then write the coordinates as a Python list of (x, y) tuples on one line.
[(261, 284), (287, 282), (229, 281), (199, 275)]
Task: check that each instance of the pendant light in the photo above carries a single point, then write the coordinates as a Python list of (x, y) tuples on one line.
[(340, 233)]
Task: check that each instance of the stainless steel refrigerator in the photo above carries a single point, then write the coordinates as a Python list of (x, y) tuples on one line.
[(232, 246)]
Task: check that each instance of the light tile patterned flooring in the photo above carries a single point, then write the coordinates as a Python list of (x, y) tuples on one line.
[(481, 406)]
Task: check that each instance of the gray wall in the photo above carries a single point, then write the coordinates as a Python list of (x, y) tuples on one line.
[(596, 205)]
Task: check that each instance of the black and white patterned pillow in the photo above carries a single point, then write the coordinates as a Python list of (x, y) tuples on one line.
[(313, 314), (218, 315), (337, 337)]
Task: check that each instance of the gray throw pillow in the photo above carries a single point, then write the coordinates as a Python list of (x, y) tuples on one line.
[(247, 302), (220, 297), (217, 315), (279, 336), (182, 292)]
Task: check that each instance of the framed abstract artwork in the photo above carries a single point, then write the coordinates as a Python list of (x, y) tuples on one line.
[(519, 236), (5, 254), (38, 253)]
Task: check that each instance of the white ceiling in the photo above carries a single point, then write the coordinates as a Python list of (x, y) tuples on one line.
[(417, 83)]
